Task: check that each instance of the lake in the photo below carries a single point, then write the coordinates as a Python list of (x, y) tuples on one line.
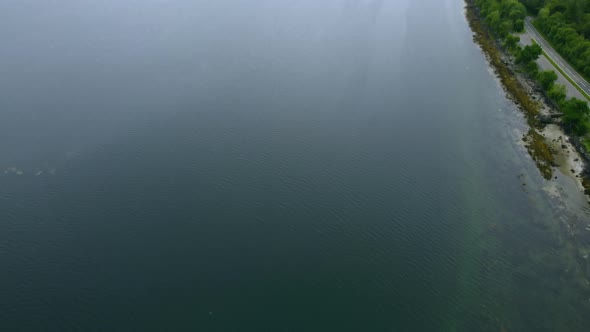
[(271, 165)]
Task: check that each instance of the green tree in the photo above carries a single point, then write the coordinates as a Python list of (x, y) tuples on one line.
[(557, 93), (547, 78), (493, 20), (529, 53), (532, 68), (576, 115), (519, 25), (511, 41), (533, 5), (505, 28)]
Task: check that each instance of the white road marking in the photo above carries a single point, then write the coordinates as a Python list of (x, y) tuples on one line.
[(582, 84)]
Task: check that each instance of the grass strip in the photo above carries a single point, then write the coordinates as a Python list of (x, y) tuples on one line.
[(564, 74)]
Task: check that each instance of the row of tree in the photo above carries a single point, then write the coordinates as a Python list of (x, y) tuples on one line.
[(575, 111), (567, 37), (566, 23), (503, 16), (507, 16)]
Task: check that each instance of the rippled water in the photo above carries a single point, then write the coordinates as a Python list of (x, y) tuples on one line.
[(270, 166)]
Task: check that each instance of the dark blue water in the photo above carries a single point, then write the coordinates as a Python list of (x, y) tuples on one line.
[(267, 166)]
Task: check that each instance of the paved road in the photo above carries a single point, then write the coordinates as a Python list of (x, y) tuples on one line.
[(577, 78), (571, 90)]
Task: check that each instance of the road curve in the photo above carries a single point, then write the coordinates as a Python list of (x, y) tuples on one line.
[(564, 66)]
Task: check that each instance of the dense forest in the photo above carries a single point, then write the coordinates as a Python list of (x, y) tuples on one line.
[(503, 16), (565, 23)]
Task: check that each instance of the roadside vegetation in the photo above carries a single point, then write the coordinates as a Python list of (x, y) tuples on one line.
[(565, 75), (566, 25), (536, 145), (505, 17)]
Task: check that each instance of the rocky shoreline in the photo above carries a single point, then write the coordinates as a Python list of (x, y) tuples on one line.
[(564, 266), (569, 155), (547, 141)]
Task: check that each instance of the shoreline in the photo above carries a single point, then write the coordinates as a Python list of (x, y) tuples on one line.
[(561, 159), (549, 145)]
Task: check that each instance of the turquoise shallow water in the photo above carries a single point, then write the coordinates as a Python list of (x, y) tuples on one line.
[(269, 166)]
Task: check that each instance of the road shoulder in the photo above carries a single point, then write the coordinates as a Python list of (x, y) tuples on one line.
[(545, 64)]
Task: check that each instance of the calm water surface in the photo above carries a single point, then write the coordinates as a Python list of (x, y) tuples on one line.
[(269, 165)]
